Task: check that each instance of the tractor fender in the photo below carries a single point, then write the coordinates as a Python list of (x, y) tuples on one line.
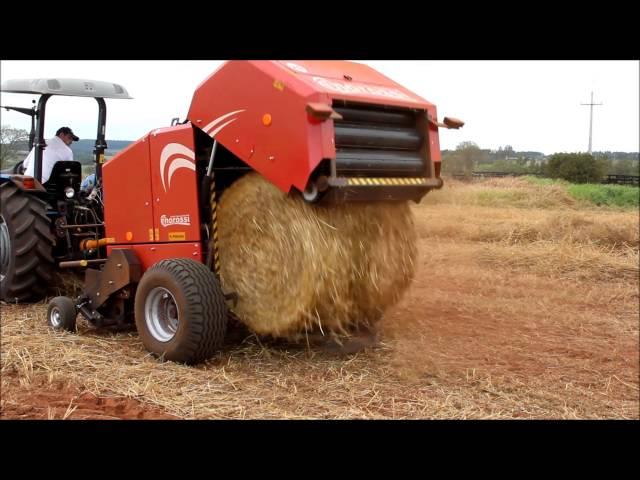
[(23, 182)]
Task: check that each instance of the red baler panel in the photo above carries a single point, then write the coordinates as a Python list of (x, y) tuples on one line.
[(434, 139), (149, 254), (127, 195), (174, 182), (258, 111), (355, 82)]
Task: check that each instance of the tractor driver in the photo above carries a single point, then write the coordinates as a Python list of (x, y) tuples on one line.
[(58, 149)]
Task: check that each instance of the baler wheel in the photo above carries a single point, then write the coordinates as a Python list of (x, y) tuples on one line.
[(311, 194), (61, 314), (180, 310), (26, 242)]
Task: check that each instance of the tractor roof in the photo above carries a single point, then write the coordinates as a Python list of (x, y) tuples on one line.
[(74, 87)]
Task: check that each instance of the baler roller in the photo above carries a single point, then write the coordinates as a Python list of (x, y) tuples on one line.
[(379, 163), (359, 136), (362, 115)]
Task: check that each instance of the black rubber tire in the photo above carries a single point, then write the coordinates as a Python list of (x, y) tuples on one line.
[(201, 310), (27, 271), (66, 314)]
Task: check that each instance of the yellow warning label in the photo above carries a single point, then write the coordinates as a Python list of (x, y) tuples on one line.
[(278, 85), (386, 181), (157, 231), (151, 234), (101, 159), (177, 236)]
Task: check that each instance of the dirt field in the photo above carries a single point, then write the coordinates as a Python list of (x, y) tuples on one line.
[(525, 305)]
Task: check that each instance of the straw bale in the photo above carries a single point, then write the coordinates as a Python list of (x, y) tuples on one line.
[(300, 268)]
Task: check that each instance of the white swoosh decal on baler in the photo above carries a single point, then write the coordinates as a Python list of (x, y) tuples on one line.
[(186, 160), (212, 125), (179, 163)]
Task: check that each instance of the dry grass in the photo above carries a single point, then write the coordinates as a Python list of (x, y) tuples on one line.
[(564, 261), (515, 312), (251, 380), (557, 240), (522, 226), (501, 192), (535, 346)]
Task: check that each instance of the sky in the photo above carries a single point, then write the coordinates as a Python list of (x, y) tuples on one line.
[(530, 105)]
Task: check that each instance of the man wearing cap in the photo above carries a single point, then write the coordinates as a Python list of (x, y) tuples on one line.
[(57, 150)]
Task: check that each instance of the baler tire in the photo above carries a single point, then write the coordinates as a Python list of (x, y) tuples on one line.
[(62, 314), (180, 311), (26, 264)]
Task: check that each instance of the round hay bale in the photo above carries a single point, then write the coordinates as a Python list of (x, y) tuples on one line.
[(300, 268)]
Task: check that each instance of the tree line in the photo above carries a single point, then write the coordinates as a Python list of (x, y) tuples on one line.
[(574, 167)]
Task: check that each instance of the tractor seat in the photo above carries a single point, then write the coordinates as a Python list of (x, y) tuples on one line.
[(64, 174)]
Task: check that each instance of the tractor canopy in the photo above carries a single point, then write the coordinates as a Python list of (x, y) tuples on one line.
[(72, 87)]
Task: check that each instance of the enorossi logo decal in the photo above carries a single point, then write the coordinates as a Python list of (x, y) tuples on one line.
[(360, 89), (166, 221)]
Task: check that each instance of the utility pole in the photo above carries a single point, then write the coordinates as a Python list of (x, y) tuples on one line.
[(590, 119)]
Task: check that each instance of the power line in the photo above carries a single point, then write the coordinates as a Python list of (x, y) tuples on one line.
[(591, 119)]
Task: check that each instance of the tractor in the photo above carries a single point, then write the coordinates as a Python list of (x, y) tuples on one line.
[(145, 234), (51, 225)]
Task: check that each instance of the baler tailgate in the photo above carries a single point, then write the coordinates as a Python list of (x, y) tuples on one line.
[(381, 154), (377, 141)]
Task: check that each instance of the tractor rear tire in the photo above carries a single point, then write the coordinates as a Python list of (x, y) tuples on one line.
[(26, 245), (62, 314), (180, 309)]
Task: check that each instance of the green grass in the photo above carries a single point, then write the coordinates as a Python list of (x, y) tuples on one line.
[(607, 195), (621, 196)]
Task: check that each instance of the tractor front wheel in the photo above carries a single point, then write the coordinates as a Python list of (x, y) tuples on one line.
[(181, 314), (26, 242)]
